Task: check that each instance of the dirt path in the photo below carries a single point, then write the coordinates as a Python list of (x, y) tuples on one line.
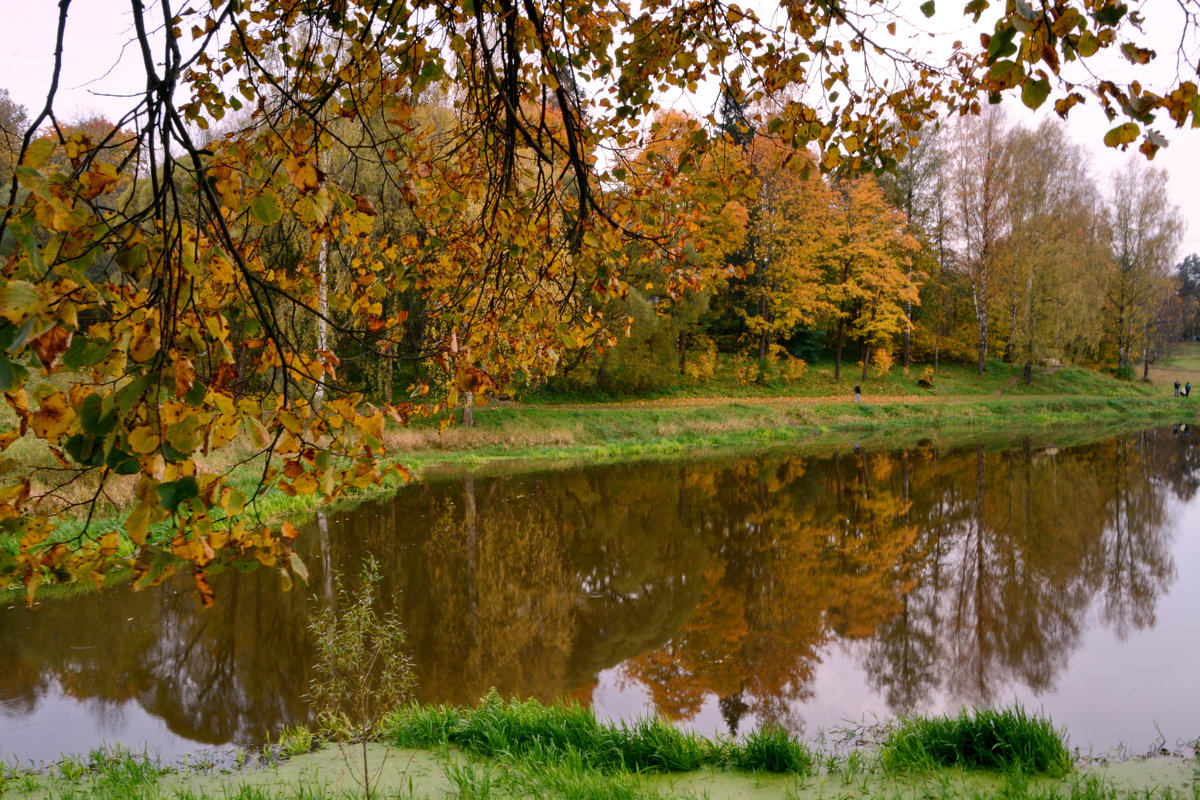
[(772, 402)]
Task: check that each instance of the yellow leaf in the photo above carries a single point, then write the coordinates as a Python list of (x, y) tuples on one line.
[(54, 417), (137, 524), (143, 440), (258, 432), (305, 484), (18, 301), (145, 341), (302, 173), (108, 543)]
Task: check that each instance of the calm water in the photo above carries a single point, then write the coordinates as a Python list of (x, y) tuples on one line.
[(807, 590)]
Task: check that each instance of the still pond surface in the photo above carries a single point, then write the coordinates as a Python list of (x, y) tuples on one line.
[(810, 590)]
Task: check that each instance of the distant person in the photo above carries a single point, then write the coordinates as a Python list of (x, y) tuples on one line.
[(1177, 388), (1187, 389), (857, 393)]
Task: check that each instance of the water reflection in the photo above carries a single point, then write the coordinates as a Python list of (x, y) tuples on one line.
[(957, 574)]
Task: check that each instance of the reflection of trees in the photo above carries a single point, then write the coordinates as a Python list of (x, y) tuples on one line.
[(212, 677), (1018, 545), (806, 552), (965, 571)]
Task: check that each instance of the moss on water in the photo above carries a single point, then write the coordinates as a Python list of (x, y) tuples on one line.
[(404, 773)]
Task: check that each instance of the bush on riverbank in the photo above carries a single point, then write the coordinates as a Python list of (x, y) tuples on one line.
[(1007, 739)]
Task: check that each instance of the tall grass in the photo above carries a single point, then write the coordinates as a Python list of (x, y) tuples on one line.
[(527, 729), (1005, 739)]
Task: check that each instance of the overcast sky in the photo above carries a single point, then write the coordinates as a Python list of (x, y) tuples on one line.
[(97, 64)]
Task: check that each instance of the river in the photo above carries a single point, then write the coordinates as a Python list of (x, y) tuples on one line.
[(823, 592)]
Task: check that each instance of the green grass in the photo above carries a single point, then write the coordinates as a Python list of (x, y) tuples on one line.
[(771, 749), (528, 729), (1002, 740)]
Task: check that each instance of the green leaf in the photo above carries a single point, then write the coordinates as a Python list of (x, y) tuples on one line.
[(1027, 11), (196, 394), (1122, 134), (1034, 93), (265, 209), (1000, 44), (976, 7), (93, 419), (1111, 14), (122, 463), (927, 8), (171, 494), (86, 352), (11, 374), (129, 393)]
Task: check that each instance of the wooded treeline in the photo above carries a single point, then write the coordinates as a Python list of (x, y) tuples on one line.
[(989, 240)]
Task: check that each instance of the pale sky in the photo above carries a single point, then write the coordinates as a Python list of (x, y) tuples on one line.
[(95, 67)]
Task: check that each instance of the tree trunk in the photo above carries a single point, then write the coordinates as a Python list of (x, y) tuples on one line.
[(983, 333), (1028, 372), (468, 410), (907, 335), (837, 363), (764, 336), (866, 359), (681, 346)]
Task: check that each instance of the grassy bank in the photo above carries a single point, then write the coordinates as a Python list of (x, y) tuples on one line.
[(605, 432), (522, 749)]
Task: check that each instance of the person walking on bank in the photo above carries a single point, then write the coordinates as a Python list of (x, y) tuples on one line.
[(1187, 389), (857, 393), (1177, 388)]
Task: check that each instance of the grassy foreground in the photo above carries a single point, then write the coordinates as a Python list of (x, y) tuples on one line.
[(523, 749)]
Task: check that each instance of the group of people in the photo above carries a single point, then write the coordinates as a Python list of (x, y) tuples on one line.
[(1186, 391)]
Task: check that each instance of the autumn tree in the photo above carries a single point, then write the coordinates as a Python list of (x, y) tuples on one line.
[(693, 200), (1187, 274), (917, 188), (867, 281), (791, 226), (1145, 231), (980, 178), (1049, 292)]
